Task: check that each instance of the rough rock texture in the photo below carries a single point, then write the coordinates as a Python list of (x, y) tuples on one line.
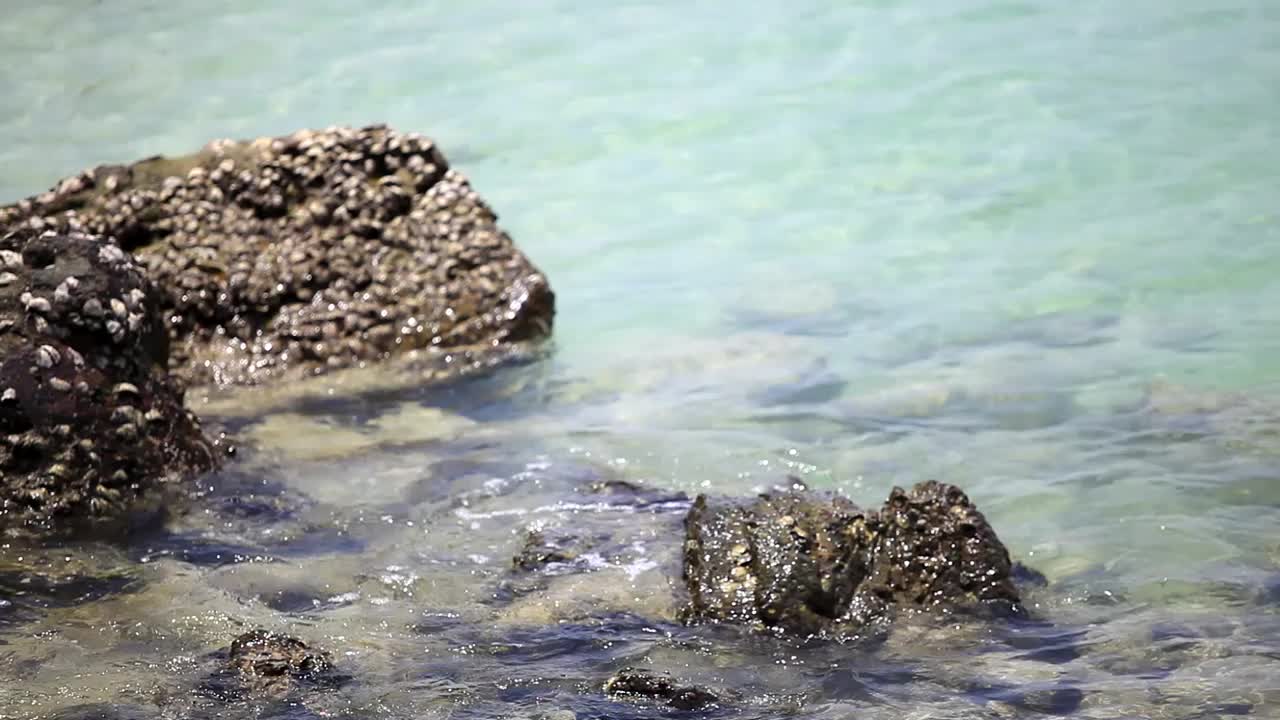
[(320, 250), (797, 562), (933, 548), (91, 426), (786, 560), (639, 683), (270, 661), (539, 551)]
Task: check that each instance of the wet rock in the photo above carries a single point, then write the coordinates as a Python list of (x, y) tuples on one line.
[(790, 561), (933, 548), (638, 683), (275, 674), (320, 250), (540, 551), (617, 492), (92, 429), (270, 661), (803, 563)]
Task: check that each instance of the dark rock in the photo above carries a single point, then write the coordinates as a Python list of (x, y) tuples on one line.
[(320, 250), (270, 661), (615, 492), (1026, 576), (538, 552), (789, 561), (273, 672), (933, 548), (808, 564), (92, 429), (632, 682)]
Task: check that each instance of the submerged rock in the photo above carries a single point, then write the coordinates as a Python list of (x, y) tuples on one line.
[(316, 251), (273, 662), (1239, 421), (92, 429), (638, 683), (540, 551), (274, 673), (803, 563)]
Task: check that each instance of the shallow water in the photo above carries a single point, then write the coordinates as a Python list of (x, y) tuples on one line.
[(1027, 248)]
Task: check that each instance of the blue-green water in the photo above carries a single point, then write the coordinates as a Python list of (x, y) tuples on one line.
[(1022, 247)]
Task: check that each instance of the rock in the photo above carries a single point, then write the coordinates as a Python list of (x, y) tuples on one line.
[(803, 563), (273, 662), (272, 670), (92, 429), (933, 548), (539, 551), (320, 250), (632, 682), (617, 493), (786, 561)]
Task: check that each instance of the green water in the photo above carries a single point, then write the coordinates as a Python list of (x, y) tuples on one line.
[(869, 243)]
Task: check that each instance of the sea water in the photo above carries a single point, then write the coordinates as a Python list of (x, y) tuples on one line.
[(1027, 248)]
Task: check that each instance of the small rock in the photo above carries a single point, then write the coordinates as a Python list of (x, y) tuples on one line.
[(270, 660), (632, 682), (538, 552)]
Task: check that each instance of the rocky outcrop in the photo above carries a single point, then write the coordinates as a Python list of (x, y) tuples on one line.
[(92, 429), (932, 548), (272, 662), (539, 551), (325, 249), (639, 683), (797, 562), (271, 670)]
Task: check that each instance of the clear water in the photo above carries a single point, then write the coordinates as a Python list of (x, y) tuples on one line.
[(1028, 248)]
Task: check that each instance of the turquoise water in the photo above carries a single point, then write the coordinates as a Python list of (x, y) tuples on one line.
[(871, 243)]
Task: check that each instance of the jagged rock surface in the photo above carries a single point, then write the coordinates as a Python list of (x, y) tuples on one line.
[(799, 562), (319, 250), (274, 661), (91, 426)]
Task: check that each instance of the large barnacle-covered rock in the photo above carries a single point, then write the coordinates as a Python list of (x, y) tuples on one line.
[(284, 257), (91, 426)]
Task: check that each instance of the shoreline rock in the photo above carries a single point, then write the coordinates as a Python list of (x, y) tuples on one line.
[(640, 683), (802, 563), (285, 257), (248, 263), (92, 428), (274, 662)]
